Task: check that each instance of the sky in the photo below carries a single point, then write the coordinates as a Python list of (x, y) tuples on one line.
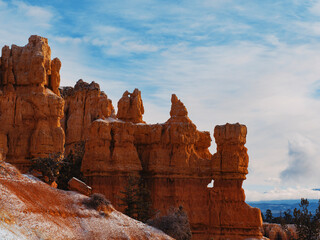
[(252, 62)]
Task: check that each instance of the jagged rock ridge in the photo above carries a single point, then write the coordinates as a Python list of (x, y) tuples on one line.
[(173, 157), (83, 104)]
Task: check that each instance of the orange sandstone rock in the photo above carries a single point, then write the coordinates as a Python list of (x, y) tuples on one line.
[(110, 158), (173, 158), (30, 109), (83, 104), (178, 111), (130, 107), (77, 185), (231, 217)]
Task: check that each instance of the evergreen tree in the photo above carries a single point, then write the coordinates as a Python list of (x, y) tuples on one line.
[(144, 203), (287, 217), (307, 224), (130, 198), (268, 216), (137, 199)]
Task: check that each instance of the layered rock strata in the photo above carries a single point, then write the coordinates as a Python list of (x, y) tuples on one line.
[(110, 158), (30, 105), (172, 157), (230, 216), (84, 103)]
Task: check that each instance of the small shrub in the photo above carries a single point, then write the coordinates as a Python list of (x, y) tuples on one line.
[(96, 201), (48, 166), (175, 224)]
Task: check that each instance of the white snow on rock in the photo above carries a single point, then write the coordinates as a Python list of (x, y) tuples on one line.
[(30, 209)]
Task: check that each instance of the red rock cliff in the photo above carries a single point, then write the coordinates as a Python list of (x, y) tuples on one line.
[(83, 104), (173, 157), (30, 106)]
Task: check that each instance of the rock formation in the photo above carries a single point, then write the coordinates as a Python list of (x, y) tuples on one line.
[(231, 217), (175, 166), (178, 112), (110, 158), (173, 157), (130, 107), (30, 106), (83, 104)]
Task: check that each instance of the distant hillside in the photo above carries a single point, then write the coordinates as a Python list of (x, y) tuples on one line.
[(277, 206)]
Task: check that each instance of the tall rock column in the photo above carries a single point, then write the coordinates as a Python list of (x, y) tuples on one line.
[(84, 103), (130, 107), (30, 105), (231, 217), (177, 166)]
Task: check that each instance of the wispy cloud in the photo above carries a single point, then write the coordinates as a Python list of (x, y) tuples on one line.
[(39, 15), (228, 61), (19, 20)]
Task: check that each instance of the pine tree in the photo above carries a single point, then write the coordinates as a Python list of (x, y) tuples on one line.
[(268, 216), (144, 203), (307, 224), (137, 199), (129, 199)]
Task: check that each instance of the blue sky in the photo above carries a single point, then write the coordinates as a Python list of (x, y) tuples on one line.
[(253, 62)]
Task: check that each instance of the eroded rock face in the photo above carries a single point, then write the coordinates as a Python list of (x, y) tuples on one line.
[(110, 158), (83, 104), (130, 107), (30, 107), (231, 217), (178, 112), (172, 157)]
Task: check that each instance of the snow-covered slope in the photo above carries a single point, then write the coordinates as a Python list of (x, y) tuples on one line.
[(30, 209)]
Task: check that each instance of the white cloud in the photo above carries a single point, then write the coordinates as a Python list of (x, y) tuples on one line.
[(315, 7), (40, 16), (282, 194), (3, 4), (308, 28), (303, 164), (19, 20)]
